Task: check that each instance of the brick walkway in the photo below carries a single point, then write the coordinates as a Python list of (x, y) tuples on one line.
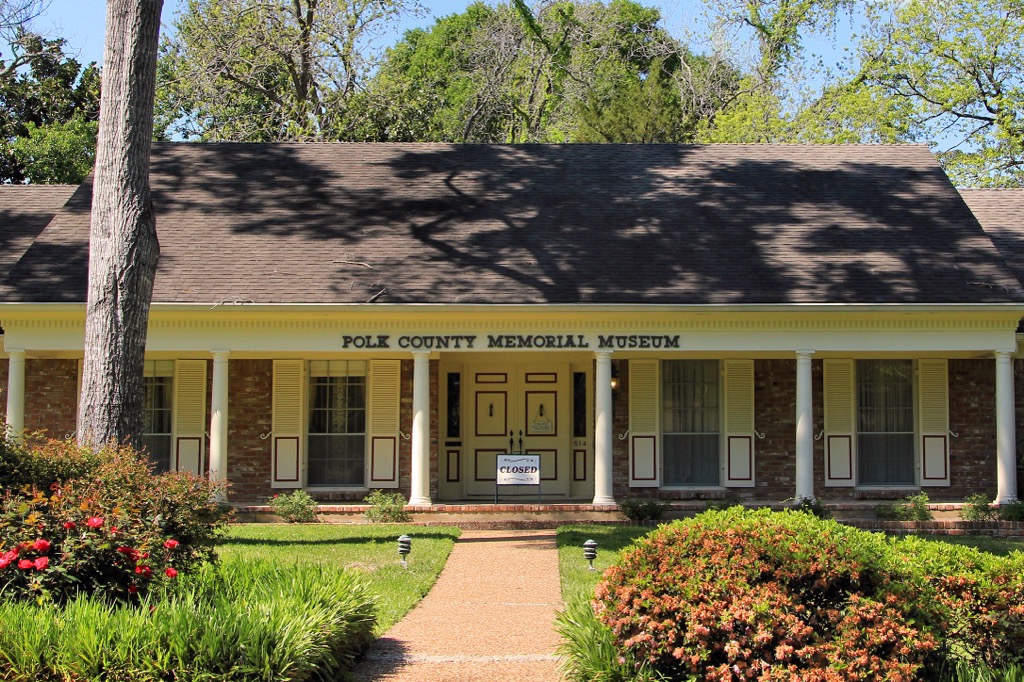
[(489, 616)]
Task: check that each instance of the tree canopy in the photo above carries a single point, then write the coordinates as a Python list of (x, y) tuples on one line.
[(49, 103), (261, 70)]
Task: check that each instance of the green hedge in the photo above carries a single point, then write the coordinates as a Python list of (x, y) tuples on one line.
[(739, 593), (240, 621)]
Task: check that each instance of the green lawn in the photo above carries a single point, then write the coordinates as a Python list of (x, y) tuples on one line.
[(368, 548)]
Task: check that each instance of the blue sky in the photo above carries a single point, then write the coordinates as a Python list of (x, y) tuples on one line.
[(81, 22)]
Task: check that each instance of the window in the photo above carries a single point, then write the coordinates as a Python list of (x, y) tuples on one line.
[(454, 405), (885, 422), (691, 419), (337, 423), (157, 414), (579, 404)]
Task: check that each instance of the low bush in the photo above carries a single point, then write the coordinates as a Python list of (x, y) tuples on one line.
[(386, 508), (639, 510), (812, 506), (1012, 511), (978, 507), (913, 508), (112, 528), (242, 620), (737, 593), (296, 507)]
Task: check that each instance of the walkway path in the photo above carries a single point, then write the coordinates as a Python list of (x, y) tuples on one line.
[(489, 616)]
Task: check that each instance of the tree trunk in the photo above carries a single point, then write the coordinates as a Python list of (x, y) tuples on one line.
[(123, 247)]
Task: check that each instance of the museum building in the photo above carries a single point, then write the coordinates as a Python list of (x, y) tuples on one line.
[(762, 322)]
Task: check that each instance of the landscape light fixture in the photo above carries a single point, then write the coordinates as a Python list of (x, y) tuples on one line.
[(590, 552), (404, 548)]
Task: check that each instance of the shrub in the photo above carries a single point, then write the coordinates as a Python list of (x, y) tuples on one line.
[(974, 599), (978, 507), (812, 506), (297, 507), (386, 508), (769, 595), (112, 528), (912, 508), (639, 510), (1012, 511), (775, 596)]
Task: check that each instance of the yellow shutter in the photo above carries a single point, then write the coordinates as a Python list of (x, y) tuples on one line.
[(643, 423), (384, 403), (840, 453), (286, 454), (739, 423), (933, 394), (190, 415)]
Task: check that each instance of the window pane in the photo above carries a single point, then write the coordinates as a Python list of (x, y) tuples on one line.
[(336, 460), (157, 424), (691, 459), (337, 425), (579, 404), (454, 405), (690, 423), (885, 422)]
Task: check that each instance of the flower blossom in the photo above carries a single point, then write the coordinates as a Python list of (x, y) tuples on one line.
[(94, 521), (171, 544), (41, 545), (170, 572), (41, 563)]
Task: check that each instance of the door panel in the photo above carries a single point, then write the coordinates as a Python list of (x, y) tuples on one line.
[(518, 407)]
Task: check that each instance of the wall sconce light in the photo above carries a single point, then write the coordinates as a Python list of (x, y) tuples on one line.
[(615, 377)]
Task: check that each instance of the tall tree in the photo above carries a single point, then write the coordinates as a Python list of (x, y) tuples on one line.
[(49, 112), (571, 70), (959, 66), (261, 70), (784, 95), (123, 247)]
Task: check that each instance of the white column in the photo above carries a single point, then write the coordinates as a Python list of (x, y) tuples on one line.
[(603, 430), (420, 493), (1006, 439), (219, 418), (15, 392), (804, 426)]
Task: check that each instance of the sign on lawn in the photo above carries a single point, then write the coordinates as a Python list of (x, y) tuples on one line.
[(518, 470)]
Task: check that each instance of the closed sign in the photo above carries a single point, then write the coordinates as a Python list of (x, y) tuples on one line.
[(518, 469)]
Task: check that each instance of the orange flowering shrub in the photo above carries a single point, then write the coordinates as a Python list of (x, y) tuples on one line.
[(112, 528), (740, 594)]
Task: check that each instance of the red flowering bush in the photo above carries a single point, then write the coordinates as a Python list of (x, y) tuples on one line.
[(113, 529), (741, 594)]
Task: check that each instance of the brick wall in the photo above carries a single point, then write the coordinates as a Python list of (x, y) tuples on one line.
[(51, 396), (972, 416), (250, 395)]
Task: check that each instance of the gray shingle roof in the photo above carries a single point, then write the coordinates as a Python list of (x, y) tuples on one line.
[(24, 211), (1001, 214), (439, 223)]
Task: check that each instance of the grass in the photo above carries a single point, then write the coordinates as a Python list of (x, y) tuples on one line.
[(576, 577), (986, 543), (372, 550)]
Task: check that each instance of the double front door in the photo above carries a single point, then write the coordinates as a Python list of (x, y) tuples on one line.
[(518, 407)]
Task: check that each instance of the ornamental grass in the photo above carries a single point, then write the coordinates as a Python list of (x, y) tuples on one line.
[(240, 620)]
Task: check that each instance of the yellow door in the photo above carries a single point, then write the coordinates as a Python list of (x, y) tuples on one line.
[(518, 407)]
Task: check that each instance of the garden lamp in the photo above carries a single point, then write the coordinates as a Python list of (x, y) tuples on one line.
[(590, 552), (404, 548)]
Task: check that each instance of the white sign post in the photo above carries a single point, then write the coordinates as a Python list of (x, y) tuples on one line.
[(517, 469)]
